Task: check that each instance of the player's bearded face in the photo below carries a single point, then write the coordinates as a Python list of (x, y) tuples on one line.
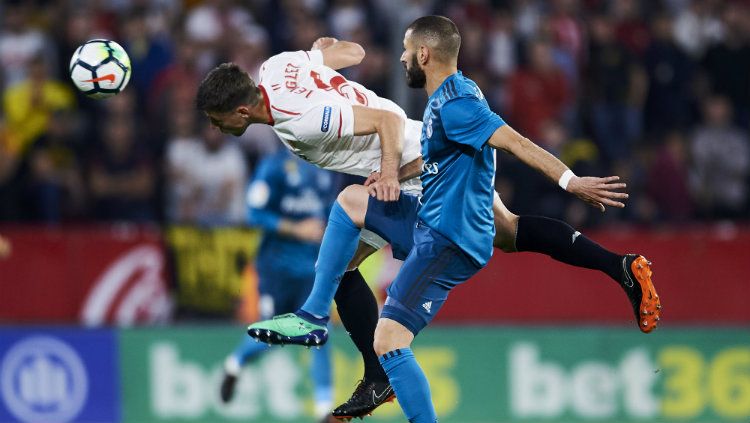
[(415, 76)]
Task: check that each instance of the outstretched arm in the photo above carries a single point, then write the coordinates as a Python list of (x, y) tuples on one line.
[(599, 192), (339, 54)]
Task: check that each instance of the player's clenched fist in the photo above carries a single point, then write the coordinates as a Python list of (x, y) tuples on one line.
[(323, 42), (374, 177)]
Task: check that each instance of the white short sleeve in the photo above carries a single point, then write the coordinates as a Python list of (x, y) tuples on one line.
[(272, 69), (316, 56), (324, 123)]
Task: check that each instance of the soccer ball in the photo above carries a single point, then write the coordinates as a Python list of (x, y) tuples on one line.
[(100, 68)]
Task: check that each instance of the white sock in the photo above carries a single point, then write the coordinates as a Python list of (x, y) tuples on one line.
[(232, 366)]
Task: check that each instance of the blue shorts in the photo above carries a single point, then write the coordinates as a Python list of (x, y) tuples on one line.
[(394, 221), (433, 267)]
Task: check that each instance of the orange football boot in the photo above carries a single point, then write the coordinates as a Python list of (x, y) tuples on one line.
[(636, 282)]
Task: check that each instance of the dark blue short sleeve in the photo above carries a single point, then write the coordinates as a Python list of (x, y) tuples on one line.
[(469, 121)]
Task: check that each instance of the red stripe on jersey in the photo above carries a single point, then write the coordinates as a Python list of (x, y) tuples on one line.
[(285, 111), (268, 104), (340, 123), (308, 94)]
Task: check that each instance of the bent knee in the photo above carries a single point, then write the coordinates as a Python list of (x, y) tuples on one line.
[(504, 241), (353, 199), (380, 346), (391, 335), (505, 231)]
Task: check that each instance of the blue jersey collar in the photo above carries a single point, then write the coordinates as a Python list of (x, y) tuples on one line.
[(440, 88)]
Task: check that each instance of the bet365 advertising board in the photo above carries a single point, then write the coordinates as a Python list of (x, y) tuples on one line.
[(477, 375)]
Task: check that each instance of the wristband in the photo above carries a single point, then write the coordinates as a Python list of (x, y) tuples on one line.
[(565, 178)]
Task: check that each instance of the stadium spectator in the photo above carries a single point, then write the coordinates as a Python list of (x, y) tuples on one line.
[(565, 28), (56, 188), (698, 26), (670, 73), (538, 91), (502, 45), (182, 147), (721, 162), (474, 51), (173, 89), (207, 178), (667, 185), (78, 28), (213, 25), (727, 64), (345, 17), (149, 54), (529, 14), (631, 29), (561, 56), (633, 72), (375, 64), (20, 43), (250, 50), (305, 30), (29, 103), (615, 91), (122, 174), (11, 177)]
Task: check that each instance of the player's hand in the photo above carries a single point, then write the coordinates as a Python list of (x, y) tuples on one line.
[(374, 177), (323, 42), (599, 192), (310, 230), (386, 188)]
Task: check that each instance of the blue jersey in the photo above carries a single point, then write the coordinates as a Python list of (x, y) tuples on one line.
[(286, 187), (459, 169)]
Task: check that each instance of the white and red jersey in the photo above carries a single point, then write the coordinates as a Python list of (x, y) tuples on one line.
[(311, 111)]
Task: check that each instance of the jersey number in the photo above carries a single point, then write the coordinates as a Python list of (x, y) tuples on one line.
[(341, 86)]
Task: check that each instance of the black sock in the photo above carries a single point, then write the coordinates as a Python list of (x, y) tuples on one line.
[(358, 310), (560, 241)]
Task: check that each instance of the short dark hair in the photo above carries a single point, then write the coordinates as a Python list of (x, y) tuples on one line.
[(440, 33), (226, 87)]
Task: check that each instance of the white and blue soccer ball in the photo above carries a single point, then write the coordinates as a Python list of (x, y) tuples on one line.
[(100, 68)]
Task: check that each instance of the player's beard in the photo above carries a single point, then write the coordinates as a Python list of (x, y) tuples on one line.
[(415, 76)]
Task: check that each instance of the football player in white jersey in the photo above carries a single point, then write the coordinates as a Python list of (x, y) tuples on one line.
[(341, 125), (326, 120)]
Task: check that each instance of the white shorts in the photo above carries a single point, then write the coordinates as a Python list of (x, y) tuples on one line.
[(372, 239)]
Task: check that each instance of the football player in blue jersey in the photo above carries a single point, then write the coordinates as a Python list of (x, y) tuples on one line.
[(289, 200), (454, 229), (448, 234)]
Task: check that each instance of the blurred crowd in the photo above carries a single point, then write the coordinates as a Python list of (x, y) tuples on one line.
[(656, 91)]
